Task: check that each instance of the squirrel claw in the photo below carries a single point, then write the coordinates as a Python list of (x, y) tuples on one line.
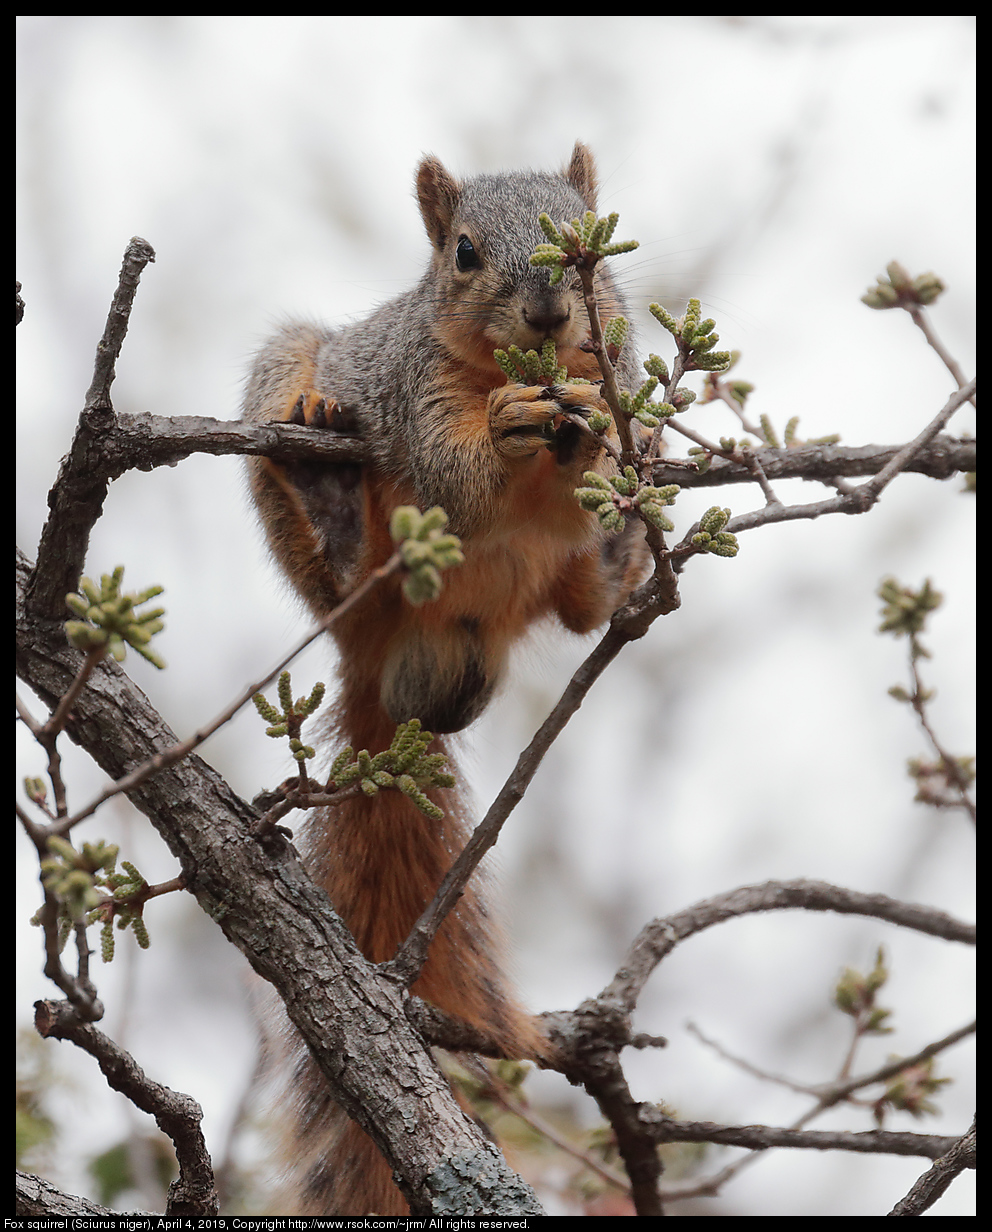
[(314, 411)]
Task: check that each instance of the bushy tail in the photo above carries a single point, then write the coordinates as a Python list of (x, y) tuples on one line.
[(381, 860)]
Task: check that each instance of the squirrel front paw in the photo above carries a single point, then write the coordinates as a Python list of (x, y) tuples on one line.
[(526, 418)]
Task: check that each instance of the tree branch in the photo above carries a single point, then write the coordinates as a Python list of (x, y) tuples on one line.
[(942, 458), (763, 1137), (177, 1115), (259, 893), (656, 597), (657, 939), (963, 1154), (76, 500), (36, 1197)]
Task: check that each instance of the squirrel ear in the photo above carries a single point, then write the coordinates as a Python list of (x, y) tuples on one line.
[(438, 193), (581, 174)]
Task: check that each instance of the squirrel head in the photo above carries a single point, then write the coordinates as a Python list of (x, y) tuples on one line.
[(483, 231)]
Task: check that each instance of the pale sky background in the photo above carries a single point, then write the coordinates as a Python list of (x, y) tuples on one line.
[(770, 166)]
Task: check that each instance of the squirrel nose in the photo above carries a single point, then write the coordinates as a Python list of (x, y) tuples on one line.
[(545, 318)]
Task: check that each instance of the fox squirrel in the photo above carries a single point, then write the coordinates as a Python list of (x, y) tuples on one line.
[(418, 380)]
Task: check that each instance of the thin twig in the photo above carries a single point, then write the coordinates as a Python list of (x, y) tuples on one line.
[(178, 751), (762, 1137), (409, 960), (872, 488), (79, 989), (632, 621), (858, 500), (611, 393), (833, 1093), (949, 764), (503, 1094), (922, 320), (660, 937), (747, 1066), (942, 458), (177, 1115)]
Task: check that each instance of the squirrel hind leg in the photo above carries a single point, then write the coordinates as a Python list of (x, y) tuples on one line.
[(600, 579), (314, 512)]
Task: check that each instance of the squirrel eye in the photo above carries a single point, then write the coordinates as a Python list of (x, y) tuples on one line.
[(465, 255)]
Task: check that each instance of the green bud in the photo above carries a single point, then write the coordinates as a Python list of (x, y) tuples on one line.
[(656, 515), (550, 230), (905, 611), (879, 974), (714, 520), (898, 276), (78, 604), (927, 287), (90, 590), (768, 432), (140, 932), (415, 552), (404, 522), (665, 318), (876, 1022), (663, 496), (107, 942), (36, 790), (84, 636), (625, 484), (724, 544), (655, 366), (62, 847), (615, 332), (590, 499), (690, 322), (434, 519), (423, 585)]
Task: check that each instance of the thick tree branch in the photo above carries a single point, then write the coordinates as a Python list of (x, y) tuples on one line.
[(38, 1198), (144, 441), (77, 499), (352, 1019), (962, 1154)]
